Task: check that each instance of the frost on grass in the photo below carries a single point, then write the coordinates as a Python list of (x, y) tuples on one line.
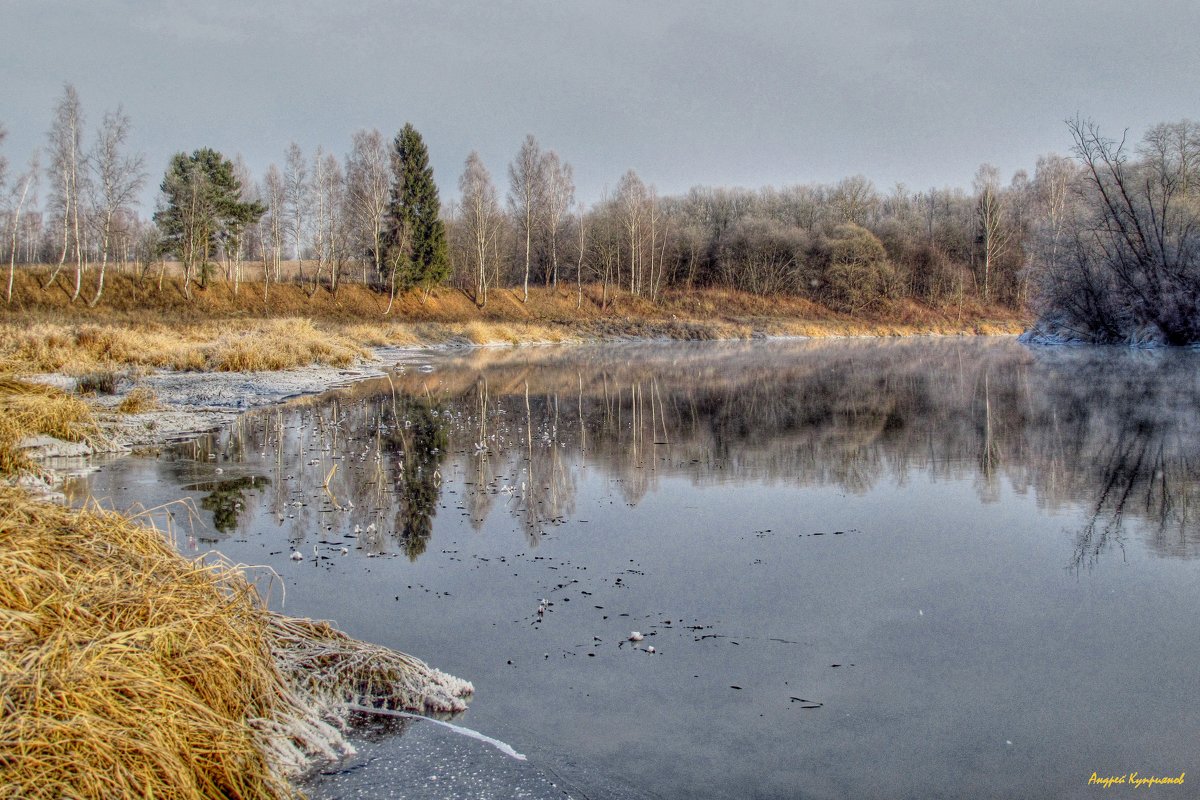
[(127, 670)]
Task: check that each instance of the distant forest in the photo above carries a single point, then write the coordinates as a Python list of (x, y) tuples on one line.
[(1101, 245)]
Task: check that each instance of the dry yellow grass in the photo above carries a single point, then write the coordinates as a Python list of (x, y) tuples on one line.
[(13, 460), (128, 671), (28, 409), (138, 324), (138, 401), (244, 345), (281, 344)]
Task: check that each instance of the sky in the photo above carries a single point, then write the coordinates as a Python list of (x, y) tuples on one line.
[(745, 94)]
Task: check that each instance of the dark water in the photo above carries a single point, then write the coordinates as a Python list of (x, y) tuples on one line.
[(926, 568)]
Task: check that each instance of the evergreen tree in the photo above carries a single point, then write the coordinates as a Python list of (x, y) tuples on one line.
[(416, 252), (202, 210)]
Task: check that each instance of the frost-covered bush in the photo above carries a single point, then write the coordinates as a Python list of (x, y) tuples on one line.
[(1124, 265)]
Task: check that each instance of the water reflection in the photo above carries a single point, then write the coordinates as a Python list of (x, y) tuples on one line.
[(1108, 430), (226, 499)]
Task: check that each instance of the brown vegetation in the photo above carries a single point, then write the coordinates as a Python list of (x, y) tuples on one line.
[(137, 324), (128, 671), (138, 401), (28, 409)]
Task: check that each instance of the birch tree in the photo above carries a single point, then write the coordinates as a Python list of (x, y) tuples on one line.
[(993, 232), (631, 206), (65, 174), (482, 218), (560, 194), (274, 193), (295, 181), (581, 249), (240, 225), (329, 195), (117, 178), (526, 196), (367, 195), (23, 191)]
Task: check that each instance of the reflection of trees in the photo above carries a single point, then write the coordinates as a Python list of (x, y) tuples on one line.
[(1113, 431), (1126, 435), (416, 440), (227, 499), (848, 414)]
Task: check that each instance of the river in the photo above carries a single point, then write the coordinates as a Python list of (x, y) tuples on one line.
[(858, 569)]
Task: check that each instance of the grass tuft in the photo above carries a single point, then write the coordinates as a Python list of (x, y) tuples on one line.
[(102, 382), (28, 409), (128, 671), (138, 401)]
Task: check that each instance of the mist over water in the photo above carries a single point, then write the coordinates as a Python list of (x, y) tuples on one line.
[(867, 568)]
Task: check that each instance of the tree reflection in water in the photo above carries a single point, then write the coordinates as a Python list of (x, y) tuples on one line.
[(1104, 429)]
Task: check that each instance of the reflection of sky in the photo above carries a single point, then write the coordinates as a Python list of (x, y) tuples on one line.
[(956, 606)]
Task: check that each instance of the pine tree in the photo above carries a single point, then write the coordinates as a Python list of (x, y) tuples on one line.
[(416, 252), (202, 210)]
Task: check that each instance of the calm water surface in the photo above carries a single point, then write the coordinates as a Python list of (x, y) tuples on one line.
[(926, 568)]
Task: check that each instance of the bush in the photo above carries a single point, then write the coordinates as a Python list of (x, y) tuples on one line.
[(857, 273)]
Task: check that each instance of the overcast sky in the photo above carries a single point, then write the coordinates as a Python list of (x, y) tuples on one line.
[(686, 93)]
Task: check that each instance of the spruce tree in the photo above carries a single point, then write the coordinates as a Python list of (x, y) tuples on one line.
[(416, 253)]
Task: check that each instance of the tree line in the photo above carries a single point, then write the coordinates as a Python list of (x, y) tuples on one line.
[(1100, 245)]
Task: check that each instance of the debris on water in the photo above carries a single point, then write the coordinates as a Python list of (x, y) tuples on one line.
[(806, 703)]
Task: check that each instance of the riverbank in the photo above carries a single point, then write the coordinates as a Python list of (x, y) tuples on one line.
[(142, 324), (138, 355), (130, 671)]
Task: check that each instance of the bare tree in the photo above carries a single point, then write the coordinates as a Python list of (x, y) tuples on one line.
[(329, 201), (235, 240), (274, 192), (296, 200), (632, 201), (66, 179), (367, 183), (1130, 267), (526, 195), (993, 232), (581, 244), (560, 194), (24, 190), (482, 218), (853, 200), (117, 178)]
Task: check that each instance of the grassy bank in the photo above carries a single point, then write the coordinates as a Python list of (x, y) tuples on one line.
[(128, 671), (139, 324)]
